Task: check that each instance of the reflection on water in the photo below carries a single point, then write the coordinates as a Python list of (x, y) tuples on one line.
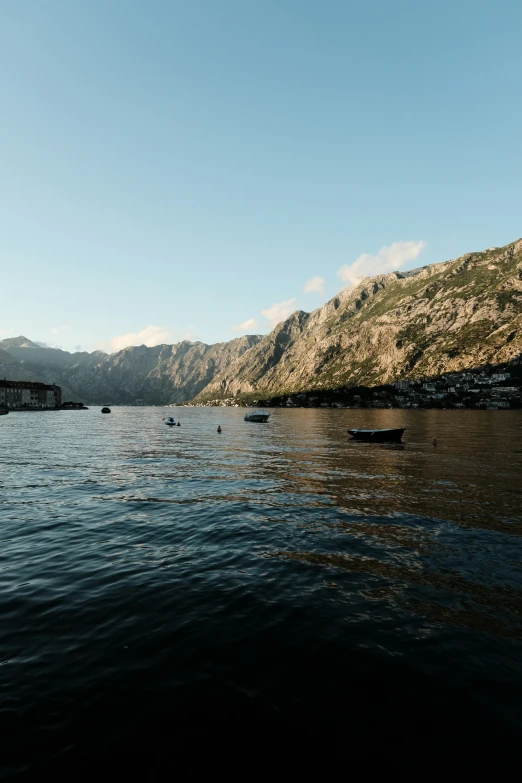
[(153, 571), (495, 601)]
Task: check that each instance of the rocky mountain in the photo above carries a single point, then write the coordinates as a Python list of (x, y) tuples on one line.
[(28, 352), (450, 316), (6, 359), (159, 375)]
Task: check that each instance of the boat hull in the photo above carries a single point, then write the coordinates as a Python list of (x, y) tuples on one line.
[(4, 411), (259, 416), (378, 436)]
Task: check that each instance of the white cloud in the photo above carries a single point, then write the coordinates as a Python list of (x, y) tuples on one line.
[(314, 286), (190, 334), (150, 336), (59, 329), (278, 312), (388, 259), (250, 323)]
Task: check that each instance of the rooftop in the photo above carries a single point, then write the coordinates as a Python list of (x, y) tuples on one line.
[(25, 385)]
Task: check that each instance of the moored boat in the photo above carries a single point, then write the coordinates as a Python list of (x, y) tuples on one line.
[(378, 436), (105, 410), (259, 416), (4, 411), (170, 422)]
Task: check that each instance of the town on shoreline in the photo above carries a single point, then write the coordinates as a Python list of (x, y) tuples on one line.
[(478, 390), (497, 388)]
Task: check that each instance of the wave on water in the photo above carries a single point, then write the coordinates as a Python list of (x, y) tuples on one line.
[(167, 589)]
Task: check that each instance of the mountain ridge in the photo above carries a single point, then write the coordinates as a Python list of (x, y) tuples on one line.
[(136, 374), (441, 317), (447, 316)]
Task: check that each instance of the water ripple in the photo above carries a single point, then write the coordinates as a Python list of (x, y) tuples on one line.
[(182, 581)]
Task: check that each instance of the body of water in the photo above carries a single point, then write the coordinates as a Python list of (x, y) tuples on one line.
[(165, 590)]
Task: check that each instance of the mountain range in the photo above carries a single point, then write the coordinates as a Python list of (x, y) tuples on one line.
[(137, 374), (451, 316)]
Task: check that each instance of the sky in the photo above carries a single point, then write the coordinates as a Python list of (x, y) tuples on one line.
[(199, 170)]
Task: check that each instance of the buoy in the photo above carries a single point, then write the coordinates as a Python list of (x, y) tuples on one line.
[(178, 424), (219, 428), (434, 441)]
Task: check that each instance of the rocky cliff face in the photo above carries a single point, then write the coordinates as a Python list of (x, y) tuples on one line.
[(452, 316), (462, 313), (159, 375)]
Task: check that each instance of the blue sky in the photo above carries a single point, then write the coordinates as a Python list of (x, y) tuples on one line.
[(174, 169)]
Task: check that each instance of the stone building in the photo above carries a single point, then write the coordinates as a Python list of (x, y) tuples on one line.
[(24, 395)]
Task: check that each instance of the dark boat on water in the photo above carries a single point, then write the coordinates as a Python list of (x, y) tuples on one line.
[(3, 411), (378, 436), (259, 416), (105, 410)]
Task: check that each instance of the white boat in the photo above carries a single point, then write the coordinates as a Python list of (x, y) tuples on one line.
[(259, 416), (170, 421)]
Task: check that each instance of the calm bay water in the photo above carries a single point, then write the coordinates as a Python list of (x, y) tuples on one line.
[(164, 589)]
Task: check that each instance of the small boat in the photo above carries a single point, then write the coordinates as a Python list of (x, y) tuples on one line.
[(378, 436), (170, 422), (4, 411), (259, 416), (105, 410)]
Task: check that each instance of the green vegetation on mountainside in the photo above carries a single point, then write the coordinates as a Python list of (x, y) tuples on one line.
[(448, 316)]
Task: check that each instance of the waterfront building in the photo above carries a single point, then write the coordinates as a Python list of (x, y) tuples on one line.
[(27, 395)]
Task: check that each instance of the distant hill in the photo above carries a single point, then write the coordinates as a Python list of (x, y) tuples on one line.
[(450, 316), (137, 374), (6, 359), (29, 352)]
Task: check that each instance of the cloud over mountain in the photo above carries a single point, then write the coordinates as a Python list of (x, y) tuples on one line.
[(149, 336), (314, 286), (388, 259), (278, 312)]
